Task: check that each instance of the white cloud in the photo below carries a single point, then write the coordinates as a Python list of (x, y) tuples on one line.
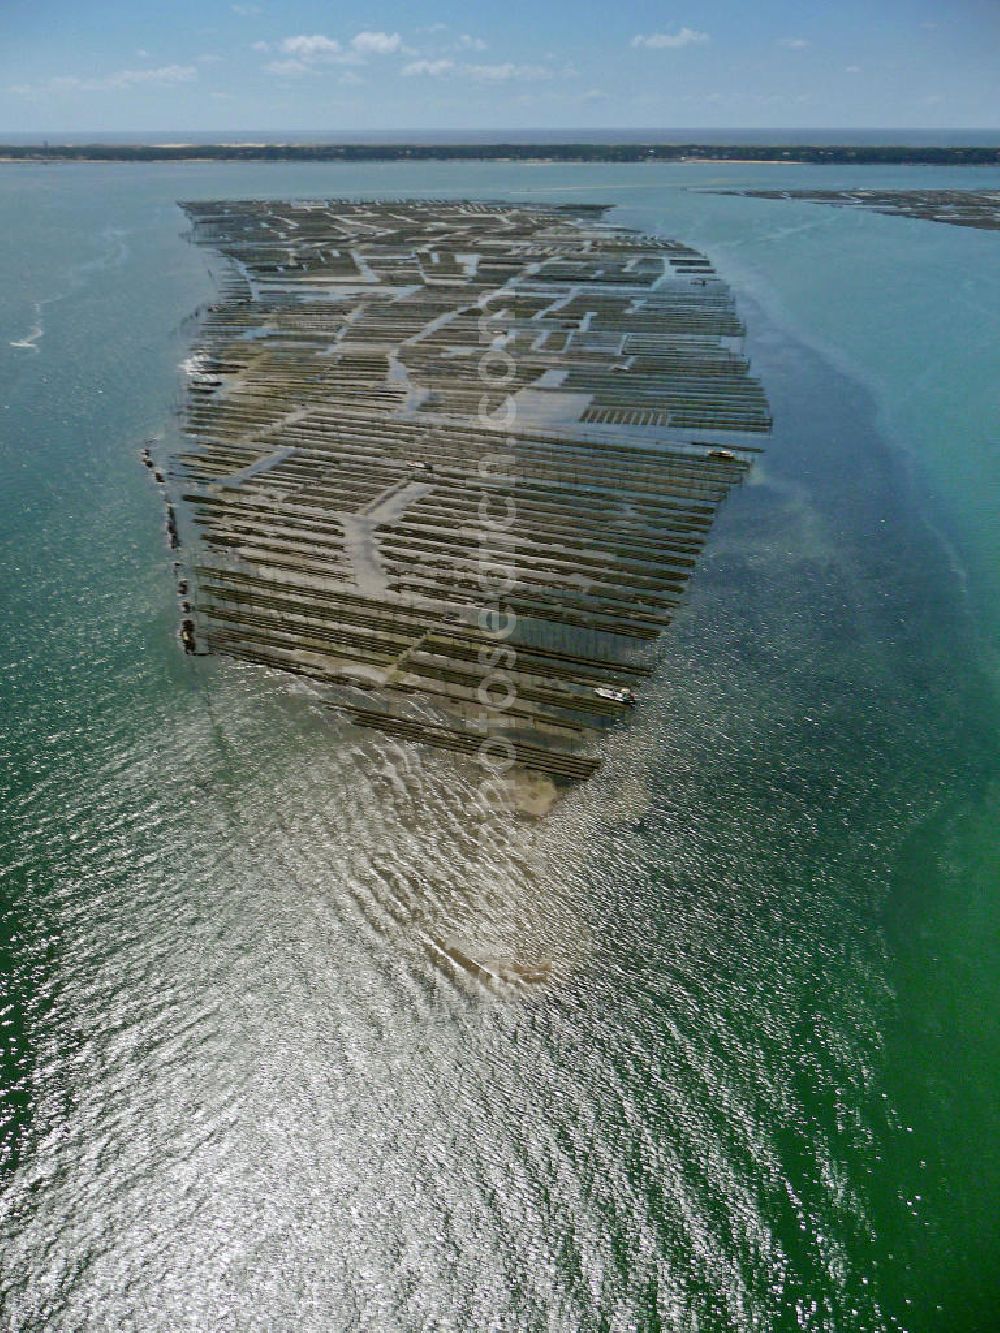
[(351, 79), (469, 43), (852, 69), (316, 47), (208, 60), (142, 53), (658, 41), (433, 68), (794, 43), (245, 11), (286, 67), (377, 43), (126, 78), (305, 54), (506, 72), (164, 76)]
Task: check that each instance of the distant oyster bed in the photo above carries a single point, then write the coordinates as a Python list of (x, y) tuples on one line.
[(960, 208)]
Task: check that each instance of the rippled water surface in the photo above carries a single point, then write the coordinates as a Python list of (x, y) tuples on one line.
[(244, 1087)]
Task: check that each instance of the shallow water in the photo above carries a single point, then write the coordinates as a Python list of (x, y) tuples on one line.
[(246, 1091)]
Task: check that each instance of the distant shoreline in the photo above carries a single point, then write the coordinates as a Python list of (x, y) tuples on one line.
[(731, 154)]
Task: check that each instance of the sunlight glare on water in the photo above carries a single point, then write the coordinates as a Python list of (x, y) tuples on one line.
[(295, 1043)]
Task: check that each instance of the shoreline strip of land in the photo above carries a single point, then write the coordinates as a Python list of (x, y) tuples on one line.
[(747, 154)]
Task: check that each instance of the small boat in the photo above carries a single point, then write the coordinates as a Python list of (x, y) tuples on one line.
[(726, 455), (617, 694)]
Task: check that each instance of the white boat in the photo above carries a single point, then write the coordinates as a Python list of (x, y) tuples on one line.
[(617, 694)]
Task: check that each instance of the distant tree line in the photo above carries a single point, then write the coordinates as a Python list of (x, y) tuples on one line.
[(827, 154)]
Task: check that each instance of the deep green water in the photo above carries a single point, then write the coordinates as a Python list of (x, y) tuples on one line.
[(761, 1092)]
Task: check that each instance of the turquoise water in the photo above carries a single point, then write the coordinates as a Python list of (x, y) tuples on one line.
[(760, 1090)]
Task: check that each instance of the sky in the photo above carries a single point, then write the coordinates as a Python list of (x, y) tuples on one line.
[(207, 65)]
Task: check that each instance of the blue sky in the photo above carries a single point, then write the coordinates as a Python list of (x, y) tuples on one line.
[(108, 65)]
